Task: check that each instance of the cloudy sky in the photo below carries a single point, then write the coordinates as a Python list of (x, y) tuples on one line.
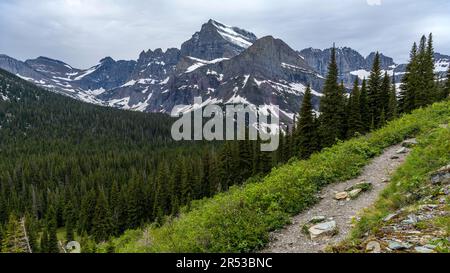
[(81, 32)]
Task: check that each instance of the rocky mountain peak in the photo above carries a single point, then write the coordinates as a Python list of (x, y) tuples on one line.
[(107, 60), (216, 40), (385, 62), (48, 65), (270, 57)]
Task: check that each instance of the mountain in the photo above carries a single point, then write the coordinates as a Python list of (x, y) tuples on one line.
[(223, 64), (216, 40), (267, 73), (20, 68), (352, 64)]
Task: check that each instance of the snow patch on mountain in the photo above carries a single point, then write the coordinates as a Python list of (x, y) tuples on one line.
[(441, 65), (87, 72), (229, 33), (199, 63)]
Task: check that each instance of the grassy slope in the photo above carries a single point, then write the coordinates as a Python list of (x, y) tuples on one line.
[(240, 220), (410, 187)]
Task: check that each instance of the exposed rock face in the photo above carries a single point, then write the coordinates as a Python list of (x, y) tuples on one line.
[(19, 68), (48, 66), (350, 62), (347, 59), (108, 74), (386, 63), (267, 73), (216, 40)]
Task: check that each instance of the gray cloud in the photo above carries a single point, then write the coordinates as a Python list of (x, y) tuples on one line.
[(81, 32)]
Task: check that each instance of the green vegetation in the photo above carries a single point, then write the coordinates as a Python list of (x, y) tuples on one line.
[(98, 171), (240, 220), (409, 185)]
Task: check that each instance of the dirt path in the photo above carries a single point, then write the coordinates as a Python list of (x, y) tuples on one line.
[(291, 239)]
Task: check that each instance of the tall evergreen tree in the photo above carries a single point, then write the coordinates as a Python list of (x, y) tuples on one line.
[(364, 108), (355, 124), (342, 111), (14, 237), (102, 227), (52, 242), (385, 90), (43, 248), (70, 220), (306, 135), (374, 91), (331, 122), (409, 86), (245, 159), (431, 89), (392, 111)]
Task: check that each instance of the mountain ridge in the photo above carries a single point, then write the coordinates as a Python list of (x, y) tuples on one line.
[(212, 63)]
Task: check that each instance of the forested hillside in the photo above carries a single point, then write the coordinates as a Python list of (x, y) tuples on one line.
[(94, 172)]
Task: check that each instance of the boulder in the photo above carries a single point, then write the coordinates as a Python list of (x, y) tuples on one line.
[(402, 150), (390, 217), (410, 143), (441, 176), (373, 247), (341, 195), (323, 230), (394, 245), (354, 193), (422, 249)]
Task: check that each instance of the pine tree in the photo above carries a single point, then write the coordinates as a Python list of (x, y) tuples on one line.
[(430, 86), (409, 86), (392, 112), (364, 108), (374, 91), (331, 123), (3, 210), (114, 201), (354, 121), (306, 137), (44, 242), (14, 237), (52, 242), (102, 227), (385, 90), (382, 119), (342, 111), (31, 228), (87, 212), (226, 165), (69, 216), (245, 160)]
